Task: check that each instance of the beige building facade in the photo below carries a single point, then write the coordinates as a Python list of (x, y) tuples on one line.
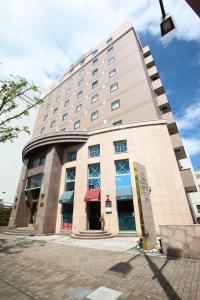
[(107, 112)]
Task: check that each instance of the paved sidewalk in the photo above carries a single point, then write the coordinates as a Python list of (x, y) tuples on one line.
[(42, 269)]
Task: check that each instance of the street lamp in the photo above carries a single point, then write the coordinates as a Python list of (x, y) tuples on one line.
[(167, 23)]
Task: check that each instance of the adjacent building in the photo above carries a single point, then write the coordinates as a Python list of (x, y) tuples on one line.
[(106, 112)]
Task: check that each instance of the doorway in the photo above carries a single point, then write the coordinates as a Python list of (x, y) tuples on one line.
[(33, 199), (93, 215), (126, 215)]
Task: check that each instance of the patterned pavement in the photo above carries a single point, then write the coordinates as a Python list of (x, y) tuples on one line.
[(43, 269)]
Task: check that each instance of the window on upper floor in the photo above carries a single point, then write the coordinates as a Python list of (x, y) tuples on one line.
[(110, 49), (77, 124), (36, 160), (64, 116), (115, 104), (78, 107), (45, 117), (57, 98), (70, 179), (111, 60), (81, 71), (34, 181), (42, 130), (95, 61), (55, 110), (94, 151), (82, 61), (109, 40), (79, 94), (81, 82), (112, 72), (114, 87), (95, 52), (94, 98), (68, 92), (94, 115), (48, 105), (120, 146), (198, 208), (66, 103), (117, 123), (95, 72), (53, 123), (71, 156), (69, 81), (94, 84)]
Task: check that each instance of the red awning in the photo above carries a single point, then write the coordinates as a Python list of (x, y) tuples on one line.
[(93, 195)]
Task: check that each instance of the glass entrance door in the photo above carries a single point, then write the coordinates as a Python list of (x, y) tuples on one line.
[(126, 215), (67, 212)]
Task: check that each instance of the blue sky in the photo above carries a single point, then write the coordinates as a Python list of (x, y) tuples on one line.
[(40, 39)]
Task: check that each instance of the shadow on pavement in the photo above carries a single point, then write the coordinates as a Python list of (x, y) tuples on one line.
[(165, 284), (122, 268), (17, 246)]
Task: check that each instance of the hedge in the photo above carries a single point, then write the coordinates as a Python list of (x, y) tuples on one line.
[(5, 216)]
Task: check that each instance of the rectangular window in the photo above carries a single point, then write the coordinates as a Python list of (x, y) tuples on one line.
[(82, 61), (45, 117), (47, 107), (110, 49), (81, 71), (94, 151), (94, 98), (34, 182), (36, 160), (55, 110), (95, 61), (114, 87), (112, 72), (77, 124), (115, 104), (42, 130), (78, 107), (68, 92), (94, 176), (111, 60), (79, 94), (109, 41), (117, 123), (71, 156), (198, 208), (66, 103), (70, 179), (80, 82), (69, 81), (95, 72), (120, 146), (64, 117), (53, 124), (94, 115), (94, 84), (95, 52)]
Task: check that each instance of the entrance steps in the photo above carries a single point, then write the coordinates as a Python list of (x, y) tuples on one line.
[(127, 234), (24, 231), (92, 235)]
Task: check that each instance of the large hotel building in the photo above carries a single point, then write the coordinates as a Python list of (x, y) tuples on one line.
[(106, 112)]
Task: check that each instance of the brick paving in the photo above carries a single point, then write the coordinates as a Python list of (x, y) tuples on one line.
[(37, 269)]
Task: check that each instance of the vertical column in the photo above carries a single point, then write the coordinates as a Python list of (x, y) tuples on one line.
[(48, 204), (20, 212)]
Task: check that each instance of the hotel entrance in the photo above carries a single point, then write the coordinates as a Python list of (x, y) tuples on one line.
[(93, 215)]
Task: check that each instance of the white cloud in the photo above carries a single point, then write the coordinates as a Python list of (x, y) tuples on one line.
[(192, 145), (39, 39), (190, 117)]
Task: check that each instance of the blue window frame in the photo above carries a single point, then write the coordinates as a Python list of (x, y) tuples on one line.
[(94, 151), (70, 179), (71, 156), (120, 146), (94, 176)]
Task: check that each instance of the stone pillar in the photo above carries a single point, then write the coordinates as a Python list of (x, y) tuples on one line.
[(20, 211), (48, 204)]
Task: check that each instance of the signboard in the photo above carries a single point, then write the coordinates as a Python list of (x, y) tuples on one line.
[(108, 207)]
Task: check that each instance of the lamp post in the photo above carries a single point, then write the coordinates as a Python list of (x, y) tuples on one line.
[(167, 23)]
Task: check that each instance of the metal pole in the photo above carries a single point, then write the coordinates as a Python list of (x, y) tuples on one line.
[(162, 8)]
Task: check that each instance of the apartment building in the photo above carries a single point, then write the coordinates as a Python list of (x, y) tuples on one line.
[(106, 112)]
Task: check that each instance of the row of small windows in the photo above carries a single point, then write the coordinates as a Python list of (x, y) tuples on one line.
[(94, 115), (94, 151), (94, 73), (94, 98)]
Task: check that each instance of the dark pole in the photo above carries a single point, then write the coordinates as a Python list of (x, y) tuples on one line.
[(162, 8)]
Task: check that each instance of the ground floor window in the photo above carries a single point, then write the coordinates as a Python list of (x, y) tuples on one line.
[(67, 214)]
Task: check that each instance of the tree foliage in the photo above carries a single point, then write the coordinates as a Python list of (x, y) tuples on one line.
[(5, 216), (12, 93)]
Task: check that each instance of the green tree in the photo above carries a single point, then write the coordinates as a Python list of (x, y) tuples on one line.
[(12, 92)]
